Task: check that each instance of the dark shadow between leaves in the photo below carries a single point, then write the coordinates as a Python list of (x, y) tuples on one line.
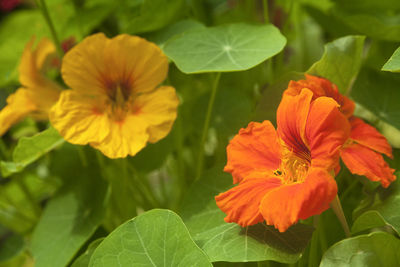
[(294, 240)]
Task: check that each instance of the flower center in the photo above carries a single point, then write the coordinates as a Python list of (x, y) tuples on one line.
[(119, 94), (293, 169)]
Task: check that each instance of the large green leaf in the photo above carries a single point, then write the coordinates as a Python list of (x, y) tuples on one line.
[(376, 249), (379, 93), (228, 241), (70, 217), (155, 238), (393, 64), (233, 47), (342, 72), (30, 149)]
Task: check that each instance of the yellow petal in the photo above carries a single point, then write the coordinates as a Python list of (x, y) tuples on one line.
[(83, 66), (79, 118), (159, 110), (125, 138), (143, 60), (18, 107), (33, 62), (100, 64)]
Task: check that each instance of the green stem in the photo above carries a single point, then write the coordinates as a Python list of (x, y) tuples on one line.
[(200, 159), (144, 190), (46, 15), (337, 208), (322, 236), (266, 11), (82, 156), (181, 181)]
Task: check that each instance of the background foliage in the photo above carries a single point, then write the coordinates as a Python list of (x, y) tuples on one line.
[(64, 205)]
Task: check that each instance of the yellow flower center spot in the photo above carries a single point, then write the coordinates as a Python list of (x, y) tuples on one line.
[(293, 168)]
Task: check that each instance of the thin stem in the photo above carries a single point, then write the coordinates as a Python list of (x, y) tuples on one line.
[(321, 235), (82, 156), (337, 208), (199, 167), (266, 11), (46, 15), (181, 181)]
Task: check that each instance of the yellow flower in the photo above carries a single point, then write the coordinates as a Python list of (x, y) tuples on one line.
[(38, 93), (114, 104)]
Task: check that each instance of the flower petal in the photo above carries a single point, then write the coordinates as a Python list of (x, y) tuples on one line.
[(144, 60), (322, 87), (79, 118), (368, 136), (362, 160), (327, 130), (33, 62), (285, 205), (241, 203), (18, 106), (125, 138), (291, 119), (255, 148), (159, 109), (99, 63)]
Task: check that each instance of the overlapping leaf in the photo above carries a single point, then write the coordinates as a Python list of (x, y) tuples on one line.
[(341, 61)]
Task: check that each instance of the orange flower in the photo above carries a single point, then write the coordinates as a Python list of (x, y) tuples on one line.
[(284, 175), (362, 151), (38, 93), (114, 104)]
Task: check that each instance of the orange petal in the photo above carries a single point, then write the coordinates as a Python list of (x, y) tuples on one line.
[(327, 130), (285, 205), (322, 87), (255, 148), (241, 203), (364, 161), (291, 119), (368, 136), (19, 105)]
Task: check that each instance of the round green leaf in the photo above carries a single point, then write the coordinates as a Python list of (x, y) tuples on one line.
[(232, 47), (376, 249), (155, 238)]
